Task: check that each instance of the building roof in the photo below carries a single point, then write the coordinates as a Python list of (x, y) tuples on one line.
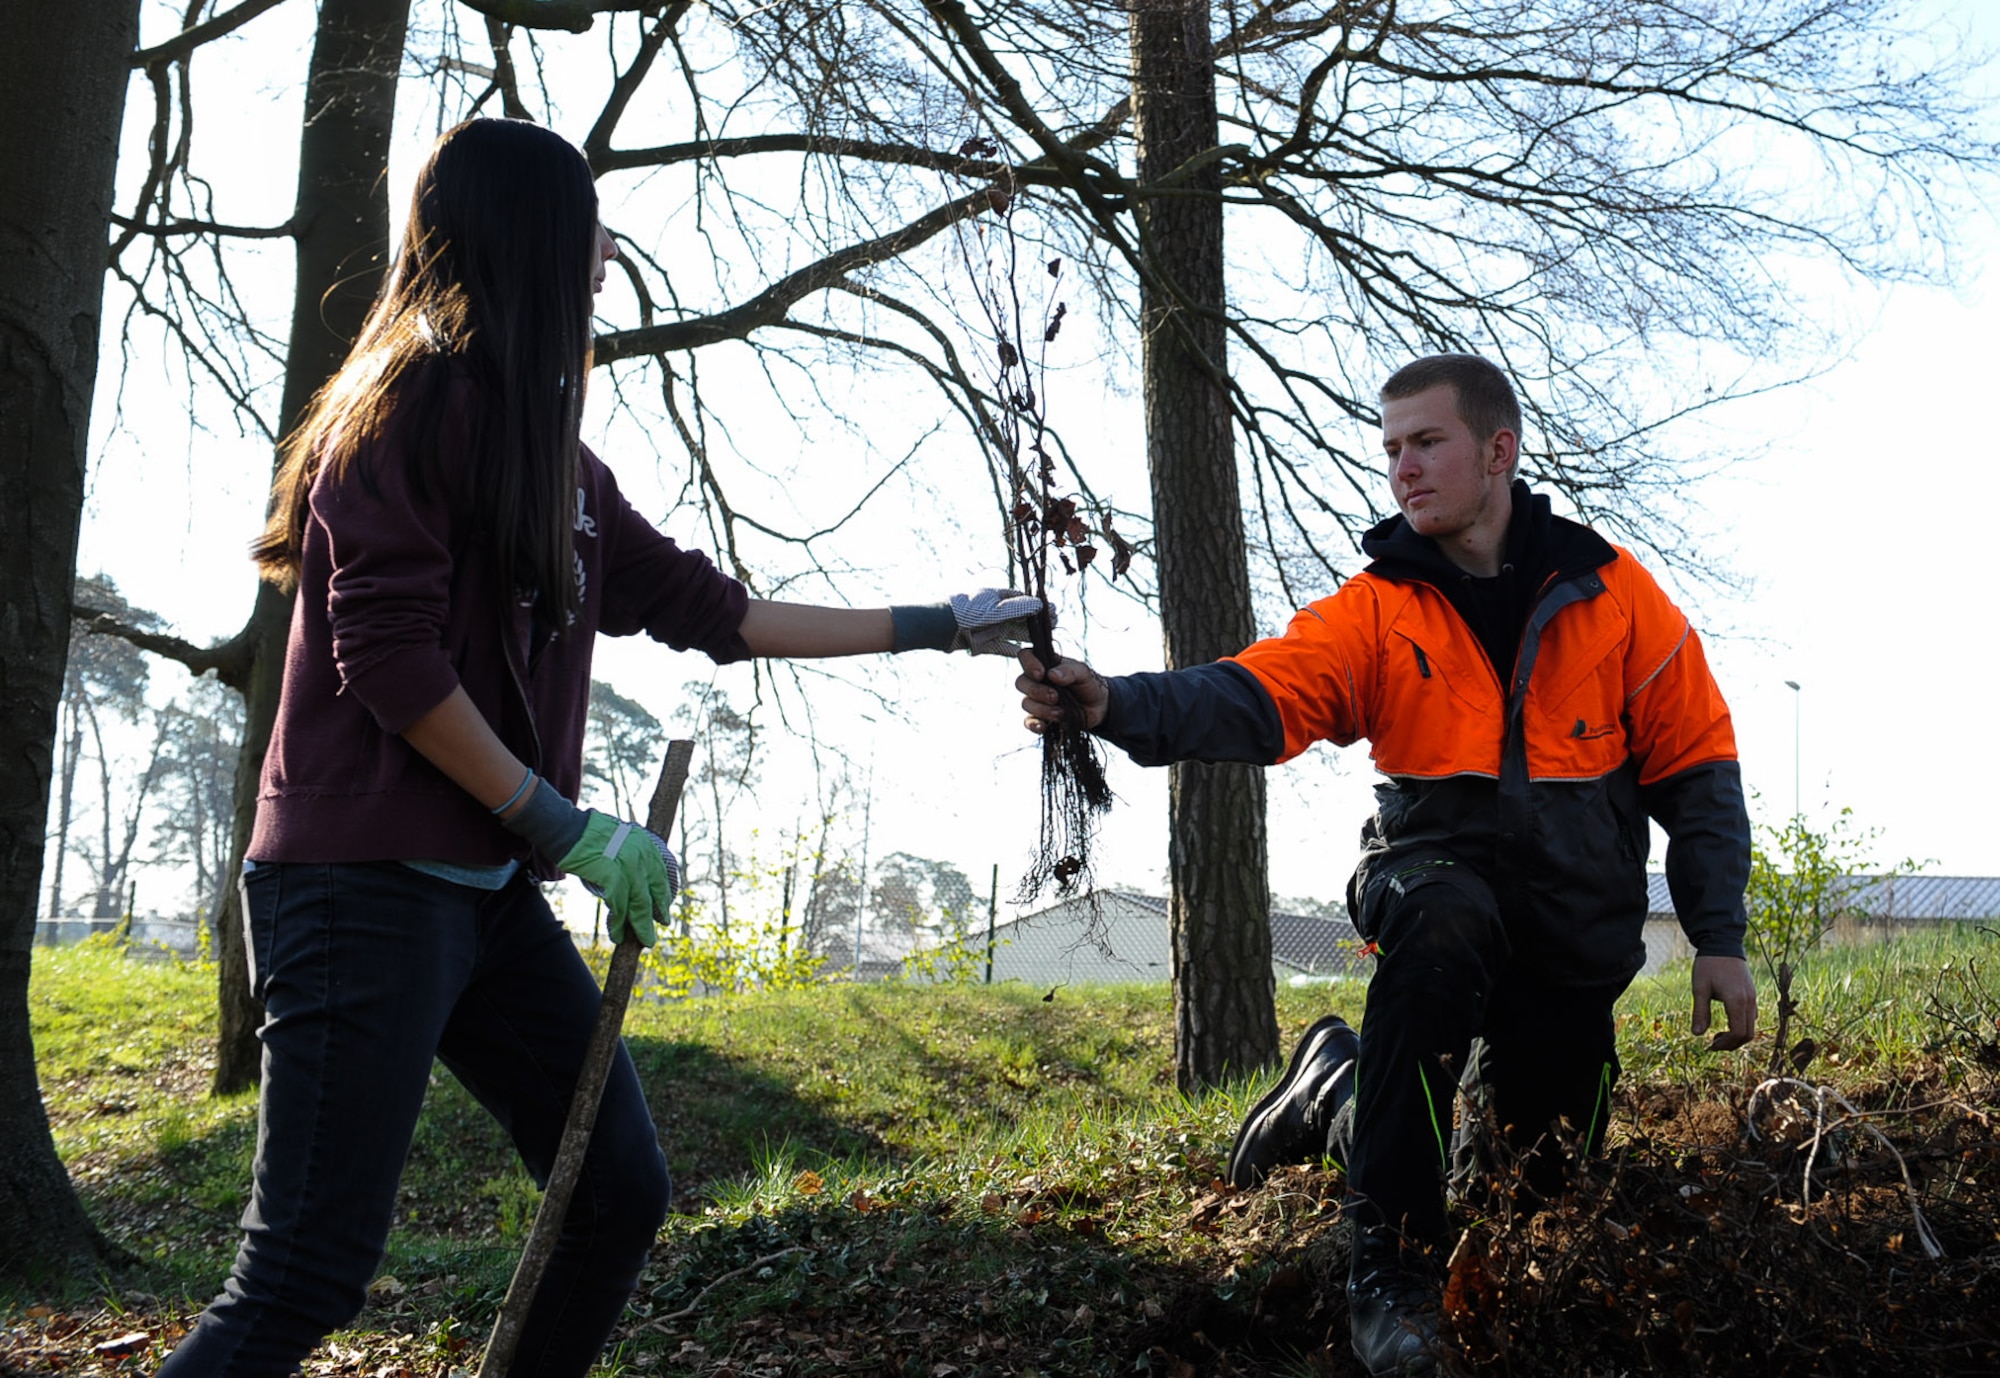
[(879, 952), (1106, 935), (1959, 898), (1126, 937), (1310, 944), (1962, 899), (1303, 943)]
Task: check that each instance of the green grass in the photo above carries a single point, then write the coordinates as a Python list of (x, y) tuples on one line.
[(973, 1161), (124, 1048), (1875, 1013), (894, 1073)]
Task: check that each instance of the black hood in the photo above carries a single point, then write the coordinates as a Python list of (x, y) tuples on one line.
[(1541, 547), (1539, 544)]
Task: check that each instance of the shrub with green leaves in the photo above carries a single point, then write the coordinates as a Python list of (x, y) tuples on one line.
[(1799, 888), (755, 954)]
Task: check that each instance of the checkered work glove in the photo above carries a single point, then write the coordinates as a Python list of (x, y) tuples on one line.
[(988, 622), (994, 621), (634, 880)]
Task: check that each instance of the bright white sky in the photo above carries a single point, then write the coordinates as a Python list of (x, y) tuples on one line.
[(1859, 518)]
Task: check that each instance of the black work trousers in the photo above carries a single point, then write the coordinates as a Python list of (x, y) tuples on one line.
[(1447, 973)]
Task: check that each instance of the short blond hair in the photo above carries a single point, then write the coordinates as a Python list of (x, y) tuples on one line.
[(1486, 401)]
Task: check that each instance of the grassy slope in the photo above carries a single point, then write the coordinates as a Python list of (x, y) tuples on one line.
[(887, 1178)]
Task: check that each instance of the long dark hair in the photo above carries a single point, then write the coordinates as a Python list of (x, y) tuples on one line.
[(492, 281)]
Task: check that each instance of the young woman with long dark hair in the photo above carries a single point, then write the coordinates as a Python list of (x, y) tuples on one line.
[(455, 551)]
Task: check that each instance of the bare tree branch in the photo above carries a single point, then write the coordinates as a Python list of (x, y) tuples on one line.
[(183, 44), (597, 143), (230, 660), (771, 305), (958, 164), (574, 15), (180, 228), (505, 80)]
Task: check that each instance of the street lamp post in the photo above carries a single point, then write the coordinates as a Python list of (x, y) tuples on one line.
[(1793, 685)]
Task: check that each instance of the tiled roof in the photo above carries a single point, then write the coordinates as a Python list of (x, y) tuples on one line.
[(1156, 904), (1659, 902), (1312, 944), (1301, 942), (1126, 939), (1306, 941), (1964, 899)]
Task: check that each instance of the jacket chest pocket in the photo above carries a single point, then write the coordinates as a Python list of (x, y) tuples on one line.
[(1583, 734), (1580, 673), (1437, 714), (1432, 665)]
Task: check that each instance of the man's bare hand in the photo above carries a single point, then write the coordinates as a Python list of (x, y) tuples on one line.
[(1038, 694), (1726, 979)]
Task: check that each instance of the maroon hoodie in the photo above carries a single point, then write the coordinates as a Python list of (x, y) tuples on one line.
[(398, 605)]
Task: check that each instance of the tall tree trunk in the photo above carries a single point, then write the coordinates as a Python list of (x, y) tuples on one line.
[(343, 238), (120, 870), (65, 801), (63, 74), (1224, 1017), (110, 884)]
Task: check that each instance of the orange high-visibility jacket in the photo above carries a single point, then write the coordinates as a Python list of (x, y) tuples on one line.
[(1609, 670), (1542, 784)]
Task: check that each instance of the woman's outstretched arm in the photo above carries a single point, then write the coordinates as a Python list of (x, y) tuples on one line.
[(803, 631), (988, 622)]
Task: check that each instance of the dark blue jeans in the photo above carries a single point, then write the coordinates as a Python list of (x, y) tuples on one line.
[(365, 972), (1447, 972)]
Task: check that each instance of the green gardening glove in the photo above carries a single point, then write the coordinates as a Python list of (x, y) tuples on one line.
[(631, 869)]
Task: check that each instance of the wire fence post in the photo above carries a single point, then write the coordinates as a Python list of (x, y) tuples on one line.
[(992, 905)]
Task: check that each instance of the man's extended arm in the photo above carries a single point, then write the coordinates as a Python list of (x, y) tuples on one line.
[(1230, 710), (1215, 712)]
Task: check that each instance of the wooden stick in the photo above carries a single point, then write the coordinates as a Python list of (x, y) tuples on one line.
[(590, 1080)]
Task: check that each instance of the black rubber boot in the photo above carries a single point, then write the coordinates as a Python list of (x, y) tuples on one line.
[(1393, 1307), (1289, 1125)]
